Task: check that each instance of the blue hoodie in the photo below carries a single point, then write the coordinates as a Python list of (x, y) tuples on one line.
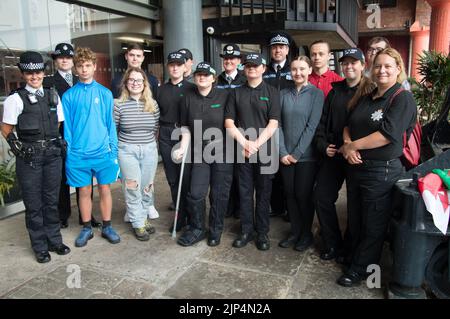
[(89, 128)]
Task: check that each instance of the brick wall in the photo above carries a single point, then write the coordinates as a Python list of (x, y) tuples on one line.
[(391, 18)]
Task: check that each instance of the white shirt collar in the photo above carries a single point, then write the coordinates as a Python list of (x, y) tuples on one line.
[(33, 90), (280, 64), (233, 74), (63, 74)]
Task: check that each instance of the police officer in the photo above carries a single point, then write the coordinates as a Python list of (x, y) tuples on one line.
[(203, 110), (278, 74), (254, 108), (35, 112), (229, 79), (169, 99), (62, 80)]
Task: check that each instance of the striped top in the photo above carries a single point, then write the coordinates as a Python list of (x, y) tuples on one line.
[(135, 126)]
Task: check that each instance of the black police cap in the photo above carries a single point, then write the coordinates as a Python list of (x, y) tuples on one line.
[(31, 61), (63, 49)]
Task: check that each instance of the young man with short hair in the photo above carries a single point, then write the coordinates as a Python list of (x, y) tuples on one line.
[(91, 138), (189, 58), (322, 76), (135, 57)]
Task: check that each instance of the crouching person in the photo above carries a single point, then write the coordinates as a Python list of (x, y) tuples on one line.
[(91, 138), (137, 119), (38, 155)]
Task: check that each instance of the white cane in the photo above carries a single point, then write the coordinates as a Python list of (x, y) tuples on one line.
[(180, 183)]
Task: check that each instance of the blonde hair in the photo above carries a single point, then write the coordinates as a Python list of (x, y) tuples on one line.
[(401, 77), (83, 55), (150, 104)]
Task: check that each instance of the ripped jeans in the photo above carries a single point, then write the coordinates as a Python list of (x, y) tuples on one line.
[(138, 164)]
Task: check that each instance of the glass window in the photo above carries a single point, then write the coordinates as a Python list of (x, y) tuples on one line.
[(39, 25)]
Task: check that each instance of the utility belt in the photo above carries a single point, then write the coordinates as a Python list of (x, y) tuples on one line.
[(43, 144), (27, 150)]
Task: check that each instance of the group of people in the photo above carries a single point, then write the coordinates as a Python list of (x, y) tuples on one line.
[(318, 128)]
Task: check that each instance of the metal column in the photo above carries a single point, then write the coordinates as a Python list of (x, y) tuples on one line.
[(183, 27)]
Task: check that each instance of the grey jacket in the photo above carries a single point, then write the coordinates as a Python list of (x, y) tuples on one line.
[(300, 115)]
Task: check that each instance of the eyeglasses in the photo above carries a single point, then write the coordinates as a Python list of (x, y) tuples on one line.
[(374, 50), (137, 81)]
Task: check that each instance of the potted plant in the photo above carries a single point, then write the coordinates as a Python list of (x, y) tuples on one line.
[(430, 92), (7, 178)]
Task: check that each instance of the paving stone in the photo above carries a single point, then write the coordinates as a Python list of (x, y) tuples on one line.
[(46, 285), (228, 283), (133, 289), (22, 293), (323, 285), (276, 260)]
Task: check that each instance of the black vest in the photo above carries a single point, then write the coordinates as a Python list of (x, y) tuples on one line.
[(38, 121)]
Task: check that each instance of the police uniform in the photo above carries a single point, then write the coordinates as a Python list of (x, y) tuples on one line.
[(35, 113), (229, 82), (169, 99), (369, 185), (62, 81), (214, 174), (253, 108), (279, 76)]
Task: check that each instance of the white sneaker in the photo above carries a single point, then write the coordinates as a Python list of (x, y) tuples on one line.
[(126, 218), (153, 213)]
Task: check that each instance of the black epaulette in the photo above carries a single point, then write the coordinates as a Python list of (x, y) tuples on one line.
[(17, 90)]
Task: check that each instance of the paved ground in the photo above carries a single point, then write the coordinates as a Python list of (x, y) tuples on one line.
[(160, 268)]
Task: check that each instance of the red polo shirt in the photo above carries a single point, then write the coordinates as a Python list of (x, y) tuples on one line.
[(323, 82)]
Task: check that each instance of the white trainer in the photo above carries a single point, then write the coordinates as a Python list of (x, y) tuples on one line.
[(153, 213)]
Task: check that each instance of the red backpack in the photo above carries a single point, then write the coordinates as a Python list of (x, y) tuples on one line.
[(411, 146)]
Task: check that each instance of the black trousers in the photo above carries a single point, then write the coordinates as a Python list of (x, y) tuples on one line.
[(64, 206), (369, 193), (217, 178), (233, 201), (173, 170), (278, 196), (330, 177), (39, 179), (251, 180), (299, 181)]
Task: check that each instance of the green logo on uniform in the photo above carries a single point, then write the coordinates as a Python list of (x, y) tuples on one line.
[(215, 106), (181, 94), (263, 98)]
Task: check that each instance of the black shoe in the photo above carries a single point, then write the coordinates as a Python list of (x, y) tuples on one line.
[(60, 250), (64, 223), (191, 237), (288, 242), (242, 240), (304, 243), (43, 257), (350, 278), (274, 213), (286, 218), (329, 254), (171, 206), (262, 242), (213, 240), (95, 223)]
